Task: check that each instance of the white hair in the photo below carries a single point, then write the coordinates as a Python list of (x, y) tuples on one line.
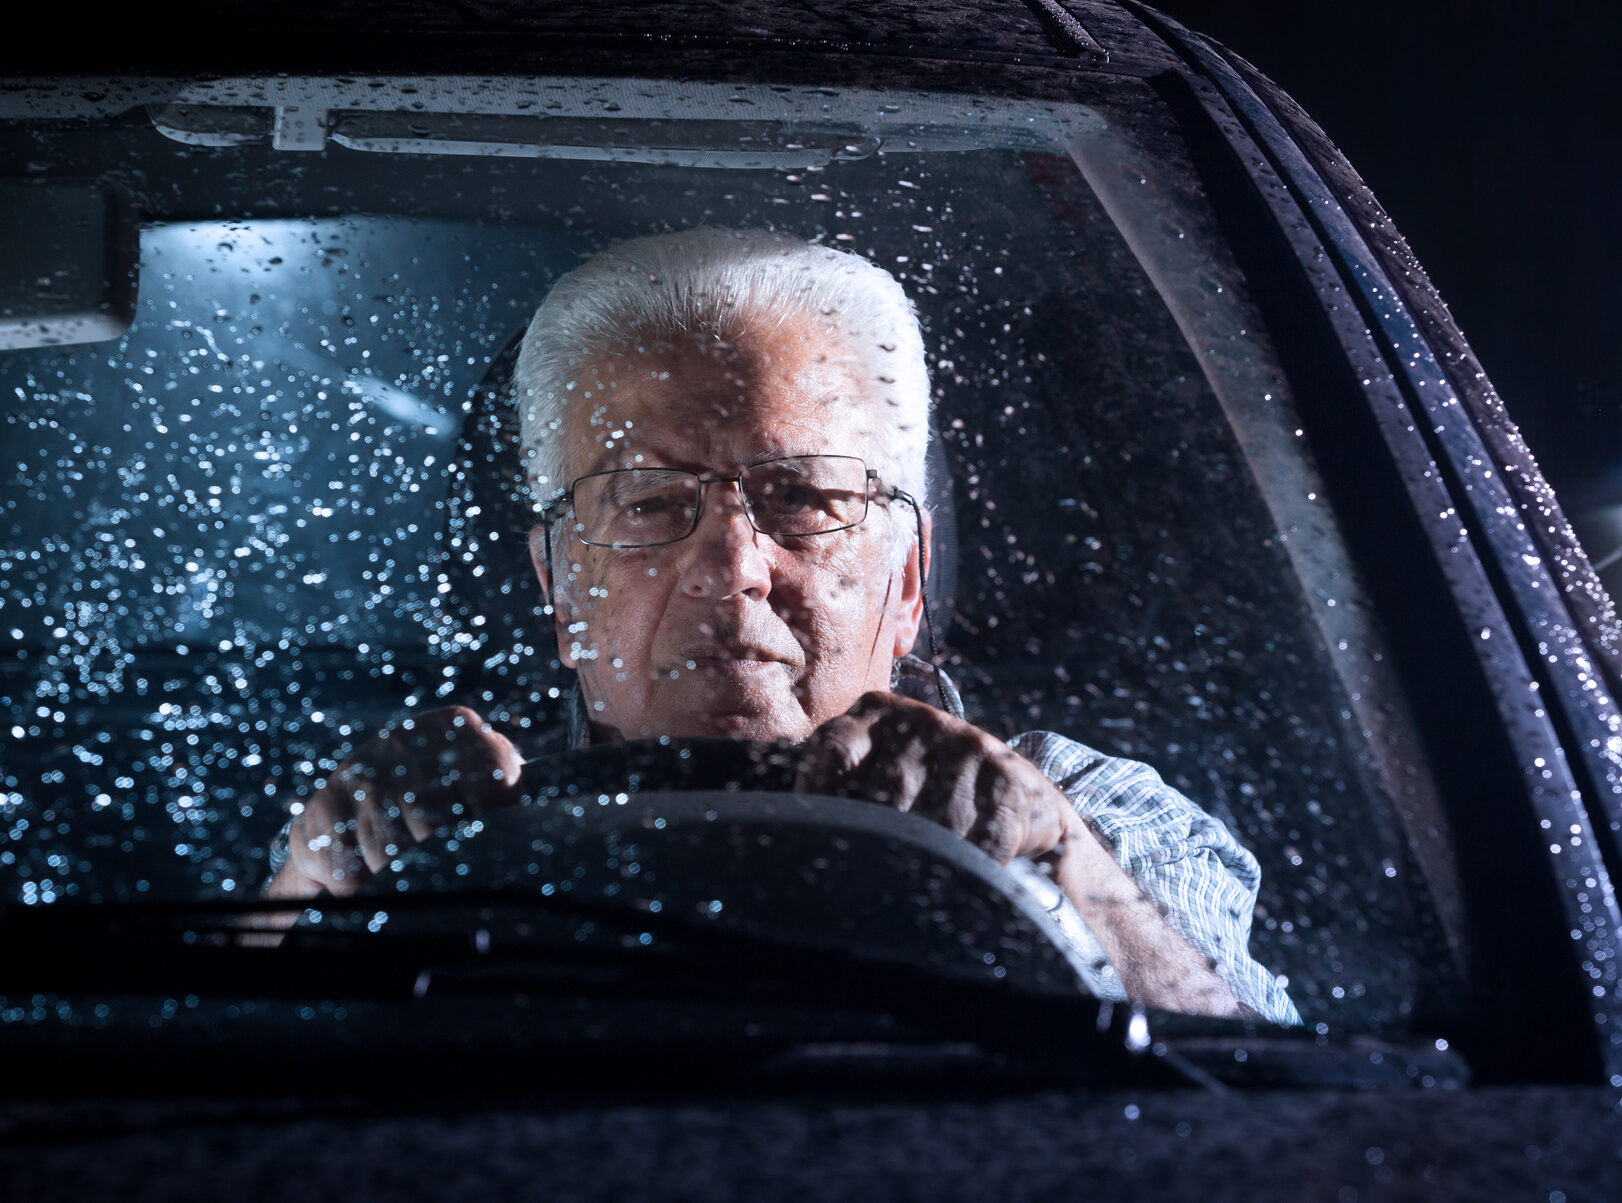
[(720, 283)]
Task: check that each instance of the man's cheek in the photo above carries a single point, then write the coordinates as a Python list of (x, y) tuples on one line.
[(615, 626), (582, 650), (582, 632), (830, 626)]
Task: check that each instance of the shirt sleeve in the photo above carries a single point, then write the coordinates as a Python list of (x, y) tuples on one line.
[(1187, 862)]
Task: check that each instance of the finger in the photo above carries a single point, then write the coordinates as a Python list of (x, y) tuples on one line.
[(418, 800), (375, 825), (955, 786), (1016, 816), (900, 777), (833, 753), (423, 797), (322, 849), (999, 824), (378, 832), (401, 823), (266, 929), (420, 822), (458, 765), (1050, 818), (876, 703), (388, 785), (288, 883), (933, 762), (494, 769)]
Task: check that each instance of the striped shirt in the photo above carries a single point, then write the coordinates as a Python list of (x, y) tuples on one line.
[(1188, 864)]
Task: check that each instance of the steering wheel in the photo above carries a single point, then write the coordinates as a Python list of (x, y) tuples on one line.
[(663, 765), (707, 831)]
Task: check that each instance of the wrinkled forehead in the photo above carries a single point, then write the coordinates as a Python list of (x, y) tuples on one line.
[(716, 403)]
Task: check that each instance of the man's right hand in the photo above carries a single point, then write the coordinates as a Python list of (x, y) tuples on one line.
[(395, 791)]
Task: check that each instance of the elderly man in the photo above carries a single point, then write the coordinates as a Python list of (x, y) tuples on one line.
[(727, 433)]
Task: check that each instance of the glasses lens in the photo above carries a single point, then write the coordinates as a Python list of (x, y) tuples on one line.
[(636, 507), (806, 494)]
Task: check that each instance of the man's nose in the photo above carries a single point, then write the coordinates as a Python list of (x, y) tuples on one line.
[(728, 556)]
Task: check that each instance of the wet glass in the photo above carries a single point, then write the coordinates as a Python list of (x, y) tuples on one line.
[(287, 508)]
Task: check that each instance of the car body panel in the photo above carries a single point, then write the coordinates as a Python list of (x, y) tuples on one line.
[(1510, 655)]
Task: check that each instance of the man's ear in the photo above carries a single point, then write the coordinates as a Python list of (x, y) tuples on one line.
[(561, 614), (907, 602)]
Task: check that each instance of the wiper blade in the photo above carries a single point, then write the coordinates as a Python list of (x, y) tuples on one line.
[(505, 944)]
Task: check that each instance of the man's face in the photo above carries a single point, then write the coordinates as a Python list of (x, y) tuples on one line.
[(729, 632)]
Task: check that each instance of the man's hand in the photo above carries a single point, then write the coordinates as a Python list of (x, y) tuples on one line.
[(395, 791), (913, 757), (908, 755)]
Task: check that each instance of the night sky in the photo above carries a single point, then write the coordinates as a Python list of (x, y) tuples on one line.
[(1491, 132)]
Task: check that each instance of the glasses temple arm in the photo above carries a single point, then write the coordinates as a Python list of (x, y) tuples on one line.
[(923, 596)]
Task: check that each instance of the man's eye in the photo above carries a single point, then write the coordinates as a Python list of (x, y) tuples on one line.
[(792, 498), (656, 508)]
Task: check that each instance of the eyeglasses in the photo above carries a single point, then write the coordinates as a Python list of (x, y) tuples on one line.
[(796, 496)]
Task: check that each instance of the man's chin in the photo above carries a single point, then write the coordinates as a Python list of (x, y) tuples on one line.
[(760, 727), (754, 703), (762, 723)]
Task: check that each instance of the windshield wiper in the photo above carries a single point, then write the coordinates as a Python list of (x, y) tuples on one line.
[(580, 982), (504, 945)]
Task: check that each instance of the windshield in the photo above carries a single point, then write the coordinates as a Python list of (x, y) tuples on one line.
[(285, 507)]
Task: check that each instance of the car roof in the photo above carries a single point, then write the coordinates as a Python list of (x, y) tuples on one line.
[(507, 35)]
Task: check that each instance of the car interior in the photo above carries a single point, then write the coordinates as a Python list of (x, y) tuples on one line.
[(283, 507)]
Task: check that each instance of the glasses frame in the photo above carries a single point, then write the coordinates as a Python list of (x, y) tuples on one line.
[(871, 481)]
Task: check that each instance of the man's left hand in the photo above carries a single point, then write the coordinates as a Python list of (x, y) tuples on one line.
[(901, 753), (913, 757)]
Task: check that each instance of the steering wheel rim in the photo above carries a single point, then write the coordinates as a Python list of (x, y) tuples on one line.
[(711, 829), (665, 764)]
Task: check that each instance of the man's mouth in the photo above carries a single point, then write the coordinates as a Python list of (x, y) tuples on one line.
[(735, 659)]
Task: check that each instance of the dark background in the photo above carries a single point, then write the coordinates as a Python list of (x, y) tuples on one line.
[(1491, 132)]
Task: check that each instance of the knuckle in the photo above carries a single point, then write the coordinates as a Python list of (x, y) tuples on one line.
[(459, 723), (1004, 830), (836, 738), (872, 702)]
